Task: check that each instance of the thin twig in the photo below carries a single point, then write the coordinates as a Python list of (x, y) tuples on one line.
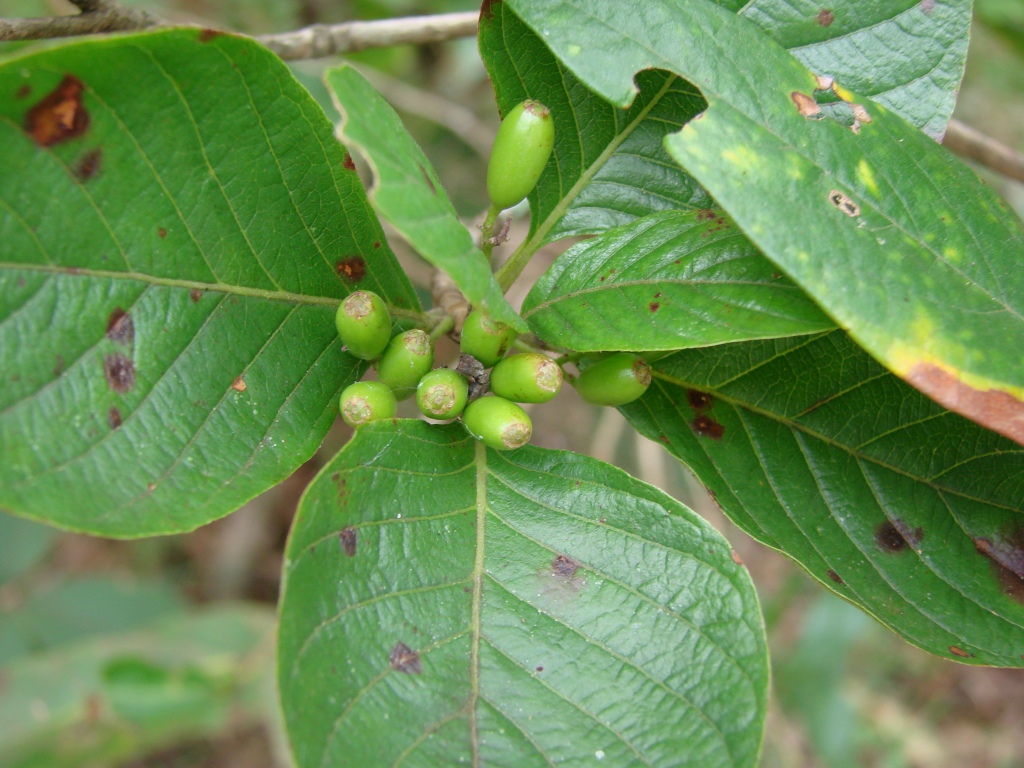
[(322, 40), (96, 16), (973, 144)]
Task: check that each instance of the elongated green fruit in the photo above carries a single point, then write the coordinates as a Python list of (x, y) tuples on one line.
[(614, 380), (498, 423), (407, 358), (442, 393), (364, 324), (526, 378), (521, 150), (485, 339), (367, 401)]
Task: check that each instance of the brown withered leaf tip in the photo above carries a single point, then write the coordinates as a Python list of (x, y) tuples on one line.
[(705, 426), (120, 327), (564, 566), (999, 411), (403, 659), (347, 541), (351, 268), (239, 384), (60, 115), (119, 372), (90, 164), (699, 401)]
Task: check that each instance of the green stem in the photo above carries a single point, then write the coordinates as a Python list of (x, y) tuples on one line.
[(442, 328), (488, 231), (513, 268)]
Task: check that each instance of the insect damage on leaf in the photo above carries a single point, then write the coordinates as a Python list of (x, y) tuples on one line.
[(60, 115), (844, 203), (805, 105), (351, 268)]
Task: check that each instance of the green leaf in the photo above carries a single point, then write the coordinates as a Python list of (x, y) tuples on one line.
[(22, 545), (408, 192), (667, 281), (173, 246), (445, 603), (906, 55), (899, 242), (86, 704), (903, 508)]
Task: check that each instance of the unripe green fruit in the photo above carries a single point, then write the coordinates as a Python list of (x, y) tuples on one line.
[(498, 423), (407, 358), (521, 150), (485, 339), (367, 401), (442, 393), (364, 324), (615, 380), (526, 378)]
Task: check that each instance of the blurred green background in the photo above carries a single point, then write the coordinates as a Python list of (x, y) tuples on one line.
[(160, 652)]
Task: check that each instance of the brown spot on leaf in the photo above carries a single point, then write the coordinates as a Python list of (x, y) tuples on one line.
[(834, 576), (699, 401), (1007, 558), (60, 115), (114, 418), (90, 164), (564, 566), (119, 372), (426, 178), (348, 162), (376, 245), (705, 214), (161, 233), (239, 384), (927, 6), (487, 9), (403, 659), (351, 268), (705, 426), (805, 105), (960, 652), (206, 35), (825, 17), (889, 538), (654, 306), (844, 203), (195, 294), (120, 327), (540, 669), (23, 92), (736, 557), (992, 408), (347, 541), (913, 536), (58, 365), (150, 487)]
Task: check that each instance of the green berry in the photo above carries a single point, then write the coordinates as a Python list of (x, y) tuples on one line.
[(498, 423), (367, 401), (407, 358), (526, 378), (614, 380), (364, 324), (521, 150), (442, 394), (485, 339)]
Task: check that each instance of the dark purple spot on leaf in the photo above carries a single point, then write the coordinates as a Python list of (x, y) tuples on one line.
[(162, 233), (58, 365), (960, 652), (834, 576), (699, 401), (114, 418), (403, 659), (1007, 558), (347, 541), (90, 164), (60, 115), (351, 268), (119, 372), (206, 35), (195, 294), (23, 92), (348, 163), (654, 306), (705, 426), (825, 17), (564, 566), (120, 327), (889, 539)]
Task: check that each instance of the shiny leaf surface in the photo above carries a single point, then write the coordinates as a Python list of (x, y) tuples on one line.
[(173, 245), (445, 603), (907, 510)]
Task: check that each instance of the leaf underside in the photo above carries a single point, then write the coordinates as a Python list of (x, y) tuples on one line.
[(902, 507), (177, 227), (445, 603)]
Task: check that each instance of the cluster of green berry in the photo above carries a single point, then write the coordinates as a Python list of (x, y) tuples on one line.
[(521, 150)]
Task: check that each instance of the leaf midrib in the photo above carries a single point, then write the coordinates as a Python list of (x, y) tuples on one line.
[(796, 426), (476, 605)]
